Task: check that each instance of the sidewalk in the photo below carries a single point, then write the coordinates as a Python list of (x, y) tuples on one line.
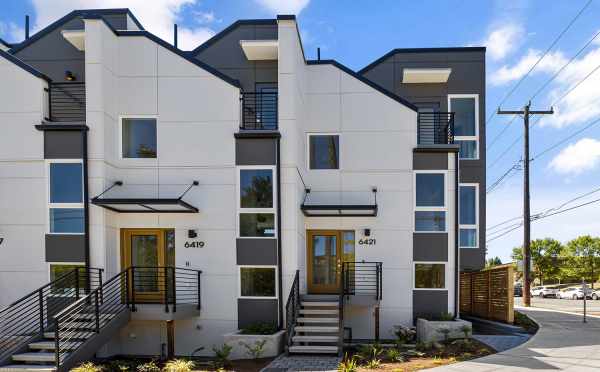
[(563, 342)]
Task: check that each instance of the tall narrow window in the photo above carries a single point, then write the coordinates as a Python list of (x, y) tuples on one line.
[(256, 207), (138, 137), (468, 215), (324, 151), (258, 281), (430, 276), (466, 122), (66, 214), (430, 202)]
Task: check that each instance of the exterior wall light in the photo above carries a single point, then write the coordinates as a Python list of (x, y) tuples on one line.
[(69, 76)]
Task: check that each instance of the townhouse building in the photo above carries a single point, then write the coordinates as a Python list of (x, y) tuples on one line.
[(153, 200)]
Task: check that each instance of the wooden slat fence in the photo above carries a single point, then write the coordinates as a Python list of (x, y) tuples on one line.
[(488, 294)]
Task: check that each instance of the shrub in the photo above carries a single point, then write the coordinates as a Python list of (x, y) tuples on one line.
[(260, 328), (404, 334), (148, 367), (370, 352), (466, 329), (394, 355), (373, 364), (222, 356), (256, 351), (348, 364), (120, 366), (178, 365), (87, 367), (446, 316)]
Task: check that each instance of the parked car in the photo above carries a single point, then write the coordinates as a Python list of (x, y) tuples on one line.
[(596, 294), (544, 291), (575, 293), (518, 290)]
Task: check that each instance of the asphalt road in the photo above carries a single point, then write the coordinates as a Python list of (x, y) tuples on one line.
[(574, 306)]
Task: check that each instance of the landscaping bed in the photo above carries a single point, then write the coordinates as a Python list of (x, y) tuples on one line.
[(526, 323), (180, 365)]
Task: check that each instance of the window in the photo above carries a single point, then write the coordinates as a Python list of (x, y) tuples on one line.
[(466, 123), (430, 202), (258, 281), (468, 215), (66, 276), (323, 151), (256, 207), (138, 138), (430, 276), (65, 197)]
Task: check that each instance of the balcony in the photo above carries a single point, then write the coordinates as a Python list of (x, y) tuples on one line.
[(259, 111), (435, 128), (66, 102)]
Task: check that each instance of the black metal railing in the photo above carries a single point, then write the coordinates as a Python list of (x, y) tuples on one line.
[(28, 318), (292, 308), (362, 278), (259, 111), (66, 102), (435, 128)]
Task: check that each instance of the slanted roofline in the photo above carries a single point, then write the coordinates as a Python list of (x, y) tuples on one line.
[(418, 50), (5, 43), (231, 27), (23, 65)]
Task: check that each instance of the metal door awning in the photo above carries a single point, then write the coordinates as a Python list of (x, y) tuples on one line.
[(144, 204), (338, 204)]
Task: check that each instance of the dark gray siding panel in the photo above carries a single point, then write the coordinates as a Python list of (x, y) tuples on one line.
[(471, 259), (63, 145), (255, 151), (256, 251), (430, 247), (65, 248), (429, 304), (252, 310), (430, 161)]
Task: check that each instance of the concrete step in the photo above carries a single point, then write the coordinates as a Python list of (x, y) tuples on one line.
[(319, 304), (315, 338), (315, 329), (325, 298), (318, 320), (51, 345), (26, 368), (319, 311), (314, 349), (37, 357), (77, 336)]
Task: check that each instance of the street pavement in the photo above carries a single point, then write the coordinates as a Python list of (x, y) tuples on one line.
[(563, 343), (575, 306)]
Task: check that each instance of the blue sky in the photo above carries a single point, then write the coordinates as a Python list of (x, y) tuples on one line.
[(358, 32)]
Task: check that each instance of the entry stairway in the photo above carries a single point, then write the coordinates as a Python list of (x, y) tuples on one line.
[(318, 329), (67, 320)]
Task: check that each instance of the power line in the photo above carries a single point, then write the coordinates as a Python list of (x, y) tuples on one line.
[(557, 144), (495, 139), (505, 176), (504, 222)]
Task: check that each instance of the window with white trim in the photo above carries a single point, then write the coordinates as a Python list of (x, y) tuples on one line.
[(65, 197), (138, 137), (430, 201), (258, 281), (430, 275), (256, 202), (468, 211), (466, 123), (323, 151)]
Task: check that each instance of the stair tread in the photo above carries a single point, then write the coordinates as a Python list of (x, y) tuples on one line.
[(316, 338), (318, 320), (319, 311), (313, 349), (50, 345), (316, 329), (26, 367), (81, 336), (320, 303), (34, 357)]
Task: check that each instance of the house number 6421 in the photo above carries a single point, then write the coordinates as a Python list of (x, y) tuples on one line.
[(368, 241)]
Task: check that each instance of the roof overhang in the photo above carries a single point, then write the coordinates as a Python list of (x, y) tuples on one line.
[(260, 50), (133, 205), (339, 210), (75, 37), (425, 75)]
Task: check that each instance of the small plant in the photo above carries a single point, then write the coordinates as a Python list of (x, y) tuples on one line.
[(120, 366), (403, 334), (348, 364), (373, 364), (87, 367), (256, 351), (259, 328), (370, 352), (178, 365), (222, 356), (394, 355), (148, 367), (446, 316), (445, 332), (466, 329)]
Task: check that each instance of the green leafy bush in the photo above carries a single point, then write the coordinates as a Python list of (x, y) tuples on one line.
[(348, 364), (446, 316), (222, 356), (87, 367), (259, 328), (178, 365), (394, 355), (466, 329), (404, 334)]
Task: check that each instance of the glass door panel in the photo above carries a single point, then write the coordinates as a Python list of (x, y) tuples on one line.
[(324, 261), (144, 250)]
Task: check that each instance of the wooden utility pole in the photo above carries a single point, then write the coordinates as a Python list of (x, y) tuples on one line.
[(526, 112)]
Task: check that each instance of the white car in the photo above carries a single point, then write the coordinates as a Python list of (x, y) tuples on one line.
[(544, 291), (574, 293)]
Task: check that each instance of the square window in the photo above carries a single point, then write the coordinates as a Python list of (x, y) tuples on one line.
[(468, 205), (431, 276), (324, 151), (430, 189), (66, 220), (464, 116), (64, 278), (66, 183), (257, 224), (468, 149), (256, 188), (430, 221), (468, 238), (138, 138), (257, 281)]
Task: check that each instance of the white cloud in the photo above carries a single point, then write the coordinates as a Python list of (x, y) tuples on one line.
[(11, 32), (503, 40), (284, 6), (157, 16), (581, 156), (551, 62)]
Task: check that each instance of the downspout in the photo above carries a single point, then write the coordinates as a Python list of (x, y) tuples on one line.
[(456, 237), (86, 204), (280, 294)]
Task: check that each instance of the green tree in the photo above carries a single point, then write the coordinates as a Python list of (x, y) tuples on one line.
[(545, 254), (582, 258), (493, 261)]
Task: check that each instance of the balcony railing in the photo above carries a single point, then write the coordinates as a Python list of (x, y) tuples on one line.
[(67, 102), (435, 128), (259, 111), (362, 278)]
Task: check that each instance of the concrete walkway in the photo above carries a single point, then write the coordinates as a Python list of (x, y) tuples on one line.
[(563, 343)]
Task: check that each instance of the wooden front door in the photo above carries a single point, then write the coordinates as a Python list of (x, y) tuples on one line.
[(144, 249), (324, 261)]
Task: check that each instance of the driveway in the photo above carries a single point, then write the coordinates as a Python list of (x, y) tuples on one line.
[(563, 343), (574, 306)]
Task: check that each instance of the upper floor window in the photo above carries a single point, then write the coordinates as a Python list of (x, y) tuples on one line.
[(468, 213), (138, 138), (65, 197), (430, 201), (256, 209), (324, 151), (466, 123)]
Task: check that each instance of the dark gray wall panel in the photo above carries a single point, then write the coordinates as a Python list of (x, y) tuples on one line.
[(430, 161), (63, 145), (65, 248), (256, 251), (471, 259), (255, 151), (430, 247), (429, 304), (256, 310)]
